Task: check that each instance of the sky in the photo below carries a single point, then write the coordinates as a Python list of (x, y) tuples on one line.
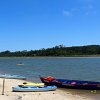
[(37, 24)]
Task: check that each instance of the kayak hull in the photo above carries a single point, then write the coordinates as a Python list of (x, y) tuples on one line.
[(33, 89)]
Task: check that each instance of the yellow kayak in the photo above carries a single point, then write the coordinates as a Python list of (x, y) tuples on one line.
[(33, 84)]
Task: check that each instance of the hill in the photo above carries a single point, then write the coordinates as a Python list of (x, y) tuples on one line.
[(62, 51)]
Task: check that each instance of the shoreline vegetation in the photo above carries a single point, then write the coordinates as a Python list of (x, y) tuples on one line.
[(57, 51), (59, 94)]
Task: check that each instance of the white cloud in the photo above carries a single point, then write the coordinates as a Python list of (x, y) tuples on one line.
[(85, 7), (75, 9), (67, 13), (87, 13), (95, 12), (90, 6), (89, 9), (85, 1)]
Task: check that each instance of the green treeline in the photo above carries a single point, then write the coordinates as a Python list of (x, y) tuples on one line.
[(60, 50)]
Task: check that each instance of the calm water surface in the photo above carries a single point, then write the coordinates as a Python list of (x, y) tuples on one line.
[(85, 68)]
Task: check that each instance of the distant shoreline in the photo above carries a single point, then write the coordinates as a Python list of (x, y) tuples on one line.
[(57, 57), (50, 56)]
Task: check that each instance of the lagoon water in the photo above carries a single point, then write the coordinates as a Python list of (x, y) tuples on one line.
[(80, 68)]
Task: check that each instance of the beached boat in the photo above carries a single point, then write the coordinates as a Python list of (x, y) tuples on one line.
[(32, 84), (73, 84), (21, 88), (12, 76)]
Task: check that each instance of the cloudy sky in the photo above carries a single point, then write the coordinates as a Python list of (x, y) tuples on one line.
[(36, 24)]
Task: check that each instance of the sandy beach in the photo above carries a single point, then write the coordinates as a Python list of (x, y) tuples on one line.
[(59, 94)]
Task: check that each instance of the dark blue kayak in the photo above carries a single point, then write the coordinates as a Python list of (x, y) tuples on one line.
[(72, 84)]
